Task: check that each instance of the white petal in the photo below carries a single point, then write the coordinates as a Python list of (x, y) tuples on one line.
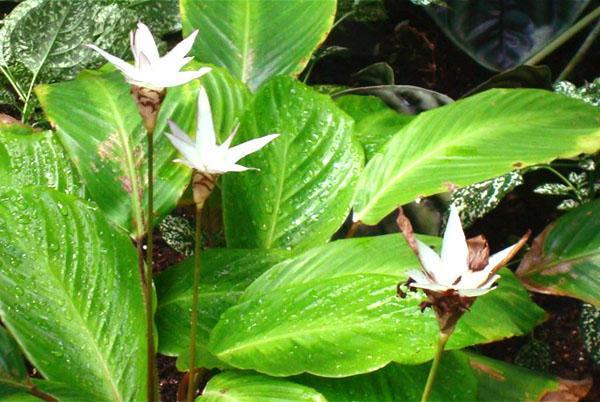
[(227, 143), (233, 167), (430, 260), (497, 258), (205, 131), (475, 279), (144, 43), (188, 151), (182, 77), (418, 277), (181, 49), (122, 65), (436, 287), (455, 253), (474, 292), (239, 151), (179, 133)]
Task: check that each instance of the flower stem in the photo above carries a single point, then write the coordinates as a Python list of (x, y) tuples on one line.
[(564, 37), (152, 392), (194, 319), (587, 44), (442, 339)]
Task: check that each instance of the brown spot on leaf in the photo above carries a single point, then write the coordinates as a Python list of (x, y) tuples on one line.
[(126, 183), (492, 372), (7, 119), (106, 147), (518, 164), (450, 186), (568, 391), (535, 257)]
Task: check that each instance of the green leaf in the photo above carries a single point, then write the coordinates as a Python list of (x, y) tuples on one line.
[(12, 366), (565, 259), (257, 39), (374, 122), (500, 35), (62, 392), (455, 381), (70, 293), (98, 122), (301, 195), (518, 77), (472, 140), (225, 275), (31, 158), (333, 311), (234, 386)]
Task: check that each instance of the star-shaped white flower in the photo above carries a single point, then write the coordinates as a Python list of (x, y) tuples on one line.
[(451, 271), (150, 70), (205, 155)]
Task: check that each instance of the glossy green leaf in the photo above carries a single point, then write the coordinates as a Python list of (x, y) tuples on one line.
[(333, 311), (503, 34), (234, 386), (70, 293), (472, 140), (43, 40), (257, 39), (374, 122), (455, 381), (98, 122), (565, 258), (12, 365), (301, 195), (225, 275), (31, 158)]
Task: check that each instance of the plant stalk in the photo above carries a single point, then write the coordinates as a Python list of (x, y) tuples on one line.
[(152, 391), (194, 319), (441, 344), (564, 37), (585, 46)]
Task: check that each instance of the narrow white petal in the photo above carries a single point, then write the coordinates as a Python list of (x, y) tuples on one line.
[(436, 287), (185, 149), (418, 277), (134, 50), (430, 260), (205, 131), (474, 292), (227, 143), (182, 77), (455, 253), (233, 167), (179, 133), (122, 65), (498, 257), (475, 279), (144, 42), (239, 151), (181, 49)]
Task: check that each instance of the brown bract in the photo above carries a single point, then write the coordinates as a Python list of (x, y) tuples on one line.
[(148, 102), (202, 186)]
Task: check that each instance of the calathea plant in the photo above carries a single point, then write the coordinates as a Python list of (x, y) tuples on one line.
[(279, 307)]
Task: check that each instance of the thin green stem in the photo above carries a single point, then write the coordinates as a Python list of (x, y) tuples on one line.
[(194, 319), (564, 180), (152, 390), (585, 46), (564, 37), (12, 82), (441, 344)]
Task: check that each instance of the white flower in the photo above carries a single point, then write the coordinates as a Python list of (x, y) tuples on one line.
[(151, 70), (205, 155), (452, 271)]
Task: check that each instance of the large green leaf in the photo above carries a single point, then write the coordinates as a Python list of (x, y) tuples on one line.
[(233, 386), (225, 275), (301, 195), (472, 140), (34, 158), (503, 34), (333, 311), (565, 258), (101, 129), (70, 293), (396, 382), (374, 122), (257, 39)]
